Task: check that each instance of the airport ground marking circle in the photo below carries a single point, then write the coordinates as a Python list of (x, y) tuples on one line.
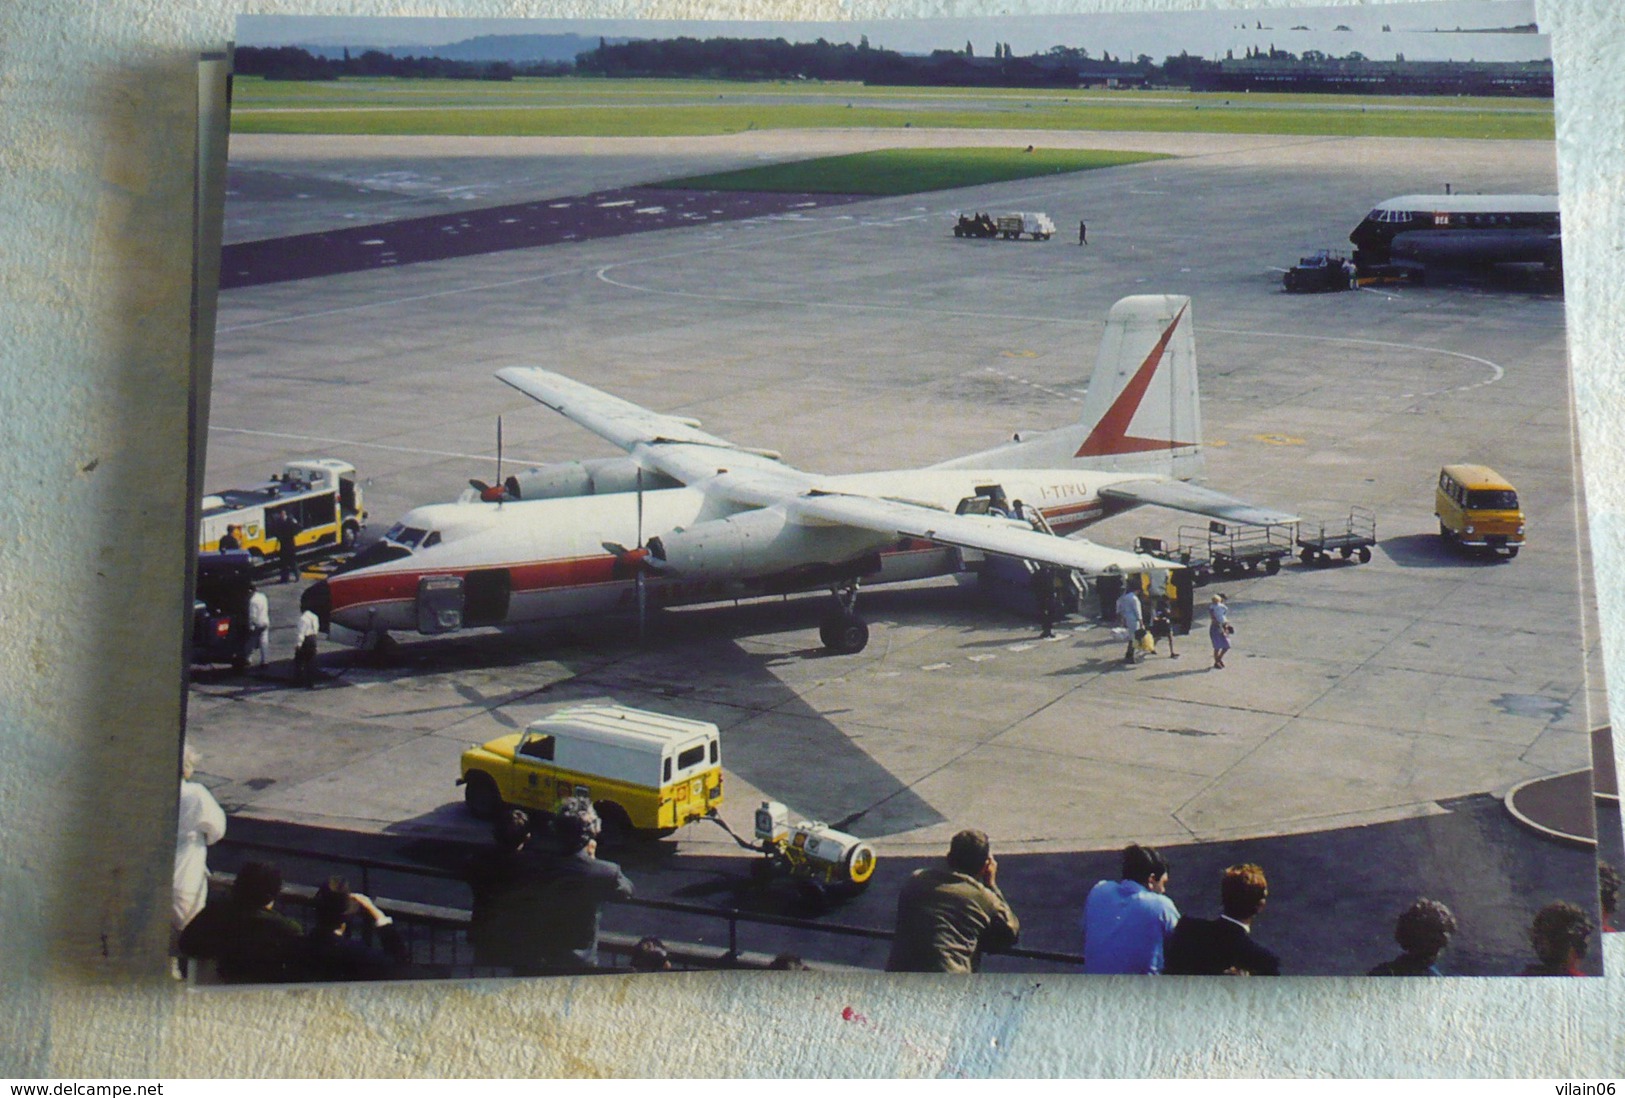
[(1496, 371)]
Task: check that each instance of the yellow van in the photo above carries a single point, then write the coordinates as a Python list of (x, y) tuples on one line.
[(1476, 507), (643, 771)]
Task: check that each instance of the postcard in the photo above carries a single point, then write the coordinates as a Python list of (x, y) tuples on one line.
[(1088, 494)]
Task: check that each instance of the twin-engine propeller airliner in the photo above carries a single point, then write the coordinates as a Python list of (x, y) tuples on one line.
[(686, 517)]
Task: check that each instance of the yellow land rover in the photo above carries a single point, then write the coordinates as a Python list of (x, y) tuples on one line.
[(1477, 508), (644, 772)]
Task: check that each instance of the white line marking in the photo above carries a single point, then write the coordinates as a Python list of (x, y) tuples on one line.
[(1496, 372)]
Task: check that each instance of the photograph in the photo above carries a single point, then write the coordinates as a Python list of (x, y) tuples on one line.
[(1087, 494)]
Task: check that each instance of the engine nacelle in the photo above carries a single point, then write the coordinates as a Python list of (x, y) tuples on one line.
[(595, 477), (757, 544)]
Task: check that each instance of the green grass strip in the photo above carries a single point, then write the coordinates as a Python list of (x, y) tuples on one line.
[(908, 171), (665, 108)]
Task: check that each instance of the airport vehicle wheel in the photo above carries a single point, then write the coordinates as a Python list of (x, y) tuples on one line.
[(1512, 552), (1323, 560), (1200, 576), (615, 825), (481, 797), (255, 558), (1306, 554), (351, 535), (1365, 553), (1272, 566), (844, 634), (1347, 552)]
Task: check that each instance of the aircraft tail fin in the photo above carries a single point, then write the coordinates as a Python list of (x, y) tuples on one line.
[(1142, 411)]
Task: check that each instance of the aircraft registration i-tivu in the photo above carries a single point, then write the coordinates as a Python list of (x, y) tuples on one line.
[(686, 517)]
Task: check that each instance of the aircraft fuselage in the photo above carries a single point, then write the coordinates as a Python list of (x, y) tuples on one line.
[(536, 560)]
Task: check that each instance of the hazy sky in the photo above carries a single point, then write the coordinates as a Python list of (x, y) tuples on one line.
[(1123, 35)]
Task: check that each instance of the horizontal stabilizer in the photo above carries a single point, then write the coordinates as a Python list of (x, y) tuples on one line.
[(1180, 496)]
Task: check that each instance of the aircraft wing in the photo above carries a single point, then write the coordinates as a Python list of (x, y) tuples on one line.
[(756, 478), (668, 444), (991, 535), (1180, 496)]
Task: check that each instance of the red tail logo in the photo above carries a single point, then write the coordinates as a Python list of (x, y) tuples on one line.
[(1110, 435)]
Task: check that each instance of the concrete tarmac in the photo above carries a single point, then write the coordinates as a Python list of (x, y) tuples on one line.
[(867, 337)]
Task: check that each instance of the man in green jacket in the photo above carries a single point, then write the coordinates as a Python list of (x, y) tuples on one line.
[(948, 916)]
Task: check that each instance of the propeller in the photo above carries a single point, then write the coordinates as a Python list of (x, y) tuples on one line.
[(503, 489)]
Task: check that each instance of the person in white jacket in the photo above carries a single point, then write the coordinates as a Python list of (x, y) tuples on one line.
[(200, 824), (259, 623)]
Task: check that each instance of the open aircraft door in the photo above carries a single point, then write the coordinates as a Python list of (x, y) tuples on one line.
[(440, 604)]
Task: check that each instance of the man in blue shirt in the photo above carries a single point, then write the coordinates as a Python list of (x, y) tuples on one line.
[(1127, 922)]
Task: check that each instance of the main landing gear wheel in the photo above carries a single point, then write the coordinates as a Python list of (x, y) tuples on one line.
[(841, 630), (481, 796), (843, 633)]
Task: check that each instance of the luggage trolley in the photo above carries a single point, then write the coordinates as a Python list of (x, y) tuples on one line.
[(1242, 549), (1353, 542)]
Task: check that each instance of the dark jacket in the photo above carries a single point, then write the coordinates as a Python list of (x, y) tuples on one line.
[(500, 923), (946, 920), (1212, 947), (253, 945), (564, 896), (1406, 964), (332, 956)]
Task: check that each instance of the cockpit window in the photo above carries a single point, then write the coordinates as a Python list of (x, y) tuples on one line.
[(402, 534), (432, 539), (379, 552)]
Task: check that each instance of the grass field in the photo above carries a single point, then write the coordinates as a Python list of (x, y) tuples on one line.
[(908, 171), (578, 107)]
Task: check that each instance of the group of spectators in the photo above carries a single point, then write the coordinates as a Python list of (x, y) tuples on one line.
[(948, 916), (250, 941), (536, 907)]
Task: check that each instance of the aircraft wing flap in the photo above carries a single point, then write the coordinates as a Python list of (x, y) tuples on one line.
[(989, 535), (1181, 496)]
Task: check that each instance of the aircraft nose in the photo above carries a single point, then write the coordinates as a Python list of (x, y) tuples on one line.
[(318, 599)]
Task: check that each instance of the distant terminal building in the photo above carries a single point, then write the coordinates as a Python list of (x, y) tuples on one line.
[(1522, 78)]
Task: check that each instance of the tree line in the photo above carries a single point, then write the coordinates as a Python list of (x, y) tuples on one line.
[(778, 59), (724, 59)]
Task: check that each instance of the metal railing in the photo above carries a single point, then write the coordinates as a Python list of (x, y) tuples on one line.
[(438, 935)]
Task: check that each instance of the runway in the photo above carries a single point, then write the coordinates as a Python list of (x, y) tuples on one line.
[(865, 336)]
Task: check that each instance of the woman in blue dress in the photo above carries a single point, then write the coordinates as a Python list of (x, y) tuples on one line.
[(1219, 631)]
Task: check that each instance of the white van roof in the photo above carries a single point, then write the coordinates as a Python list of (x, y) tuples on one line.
[(621, 724)]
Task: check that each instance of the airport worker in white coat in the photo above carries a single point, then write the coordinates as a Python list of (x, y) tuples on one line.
[(259, 624)]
